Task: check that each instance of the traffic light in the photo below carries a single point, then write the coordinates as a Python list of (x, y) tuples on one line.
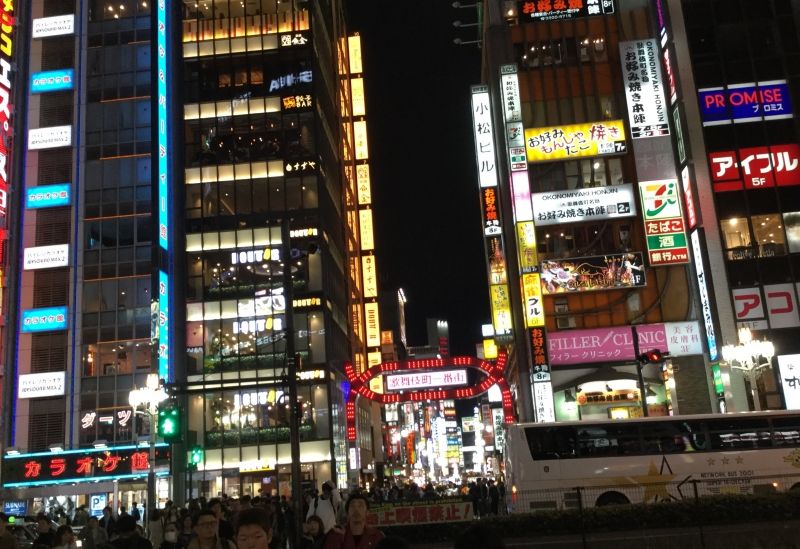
[(196, 455), (654, 356), (169, 423)]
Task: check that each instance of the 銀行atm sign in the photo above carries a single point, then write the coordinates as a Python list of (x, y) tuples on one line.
[(360, 384), (79, 465)]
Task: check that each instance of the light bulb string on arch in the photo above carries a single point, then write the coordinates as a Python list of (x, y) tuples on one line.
[(359, 384)]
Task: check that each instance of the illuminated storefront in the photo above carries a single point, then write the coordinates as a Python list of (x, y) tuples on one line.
[(599, 213)]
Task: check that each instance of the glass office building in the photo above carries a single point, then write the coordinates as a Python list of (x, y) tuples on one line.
[(181, 204)]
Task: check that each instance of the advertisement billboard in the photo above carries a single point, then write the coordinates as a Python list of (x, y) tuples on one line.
[(755, 167), (489, 206), (532, 300), (663, 222), (47, 319), (484, 136), (50, 81), (575, 141), (46, 257), (53, 26), (40, 385), (776, 302), (705, 299), (748, 102), (48, 196), (552, 10), (587, 274), (501, 309), (373, 325), (648, 113), (615, 344), (50, 138), (576, 205), (789, 374)]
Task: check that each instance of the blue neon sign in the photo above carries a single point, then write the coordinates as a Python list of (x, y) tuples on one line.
[(46, 319), (163, 128), (163, 325), (48, 196), (749, 102), (42, 82)]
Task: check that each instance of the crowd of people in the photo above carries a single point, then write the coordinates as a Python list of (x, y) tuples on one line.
[(221, 523)]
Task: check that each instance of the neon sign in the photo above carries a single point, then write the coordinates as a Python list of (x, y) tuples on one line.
[(44, 320), (360, 384), (48, 196), (79, 466), (42, 82)]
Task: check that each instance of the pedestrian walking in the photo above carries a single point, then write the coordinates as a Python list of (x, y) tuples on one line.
[(356, 534)]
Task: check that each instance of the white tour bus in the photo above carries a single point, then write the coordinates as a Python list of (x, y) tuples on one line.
[(650, 459)]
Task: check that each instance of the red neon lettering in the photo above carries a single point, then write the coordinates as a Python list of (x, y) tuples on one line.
[(84, 465), (57, 466), (32, 469)]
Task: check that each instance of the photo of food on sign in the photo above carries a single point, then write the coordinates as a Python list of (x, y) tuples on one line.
[(587, 274)]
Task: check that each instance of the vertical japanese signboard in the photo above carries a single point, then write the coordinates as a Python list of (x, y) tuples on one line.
[(663, 222), (705, 300), (648, 113), (491, 210), (6, 125), (162, 325), (484, 136), (532, 294)]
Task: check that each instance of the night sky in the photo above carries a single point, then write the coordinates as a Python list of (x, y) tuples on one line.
[(424, 185)]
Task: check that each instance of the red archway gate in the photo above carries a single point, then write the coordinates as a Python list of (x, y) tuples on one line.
[(359, 384)]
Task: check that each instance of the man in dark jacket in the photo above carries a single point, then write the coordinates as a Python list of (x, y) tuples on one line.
[(356, 535), (47, 535), (128, 537)]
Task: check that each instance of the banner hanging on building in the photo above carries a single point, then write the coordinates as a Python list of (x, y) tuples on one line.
[(575, 141), (587, 274), (644, 89), (577, 205)]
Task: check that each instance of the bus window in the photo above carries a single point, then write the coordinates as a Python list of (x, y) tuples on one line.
[(786, 431), (608, 440), (551, 442), (694, 434), (662, 438), (739, 434)]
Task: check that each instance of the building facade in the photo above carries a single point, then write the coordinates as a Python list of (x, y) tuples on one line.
[(184, 201), (596, 251)]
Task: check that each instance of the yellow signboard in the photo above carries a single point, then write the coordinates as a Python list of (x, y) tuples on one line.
[(532, 300), (550, 143), (370, 273), (501, 309), (365, 223), (360, 132), (373, 325), (362, 180), (489, 349), (526, 246)]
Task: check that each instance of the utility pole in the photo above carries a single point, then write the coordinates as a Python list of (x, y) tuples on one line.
[(291, 370)]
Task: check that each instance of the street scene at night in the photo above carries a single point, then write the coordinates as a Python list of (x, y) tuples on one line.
[(372, 274)]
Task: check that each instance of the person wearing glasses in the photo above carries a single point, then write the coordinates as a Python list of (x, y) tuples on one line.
[(205, 530)]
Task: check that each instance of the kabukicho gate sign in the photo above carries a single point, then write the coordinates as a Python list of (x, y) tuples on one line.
[(359, 384)]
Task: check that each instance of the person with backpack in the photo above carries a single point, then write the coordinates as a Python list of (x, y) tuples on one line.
[(326, 506)]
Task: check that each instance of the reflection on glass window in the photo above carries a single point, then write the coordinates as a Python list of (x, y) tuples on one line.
[(768, 231), (791, 222), (736, 235)]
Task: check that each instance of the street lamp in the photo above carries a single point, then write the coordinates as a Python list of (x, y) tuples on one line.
[(747, 357), (149, 397)]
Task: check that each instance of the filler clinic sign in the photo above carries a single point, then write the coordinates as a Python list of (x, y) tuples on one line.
[(41, 385), (592, 204), (551, 10), (615, 344), (749, 102), (644, 89), (575, 141)]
